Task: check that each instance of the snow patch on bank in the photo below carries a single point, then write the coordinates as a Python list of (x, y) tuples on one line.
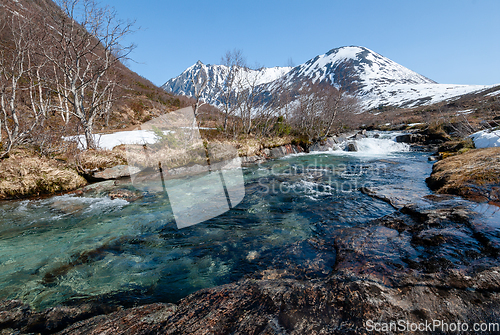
[(486, 138)]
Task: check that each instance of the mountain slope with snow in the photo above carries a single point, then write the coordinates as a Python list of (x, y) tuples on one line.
[(216, 76), (373, 78)]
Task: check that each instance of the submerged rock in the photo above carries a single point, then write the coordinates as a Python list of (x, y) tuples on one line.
[(99, 188), (125, 194), (433, 260)]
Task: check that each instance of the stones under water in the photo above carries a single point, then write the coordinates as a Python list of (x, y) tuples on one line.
[(304, 236)]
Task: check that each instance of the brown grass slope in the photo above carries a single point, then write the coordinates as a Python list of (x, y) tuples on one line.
[(472, 111), (474, 175), (139, 100), (26, 175)]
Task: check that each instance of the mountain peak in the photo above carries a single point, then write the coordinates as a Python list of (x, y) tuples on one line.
[(375, 79)]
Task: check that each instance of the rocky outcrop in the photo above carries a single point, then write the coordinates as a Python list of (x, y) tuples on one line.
[(334, 142), (284, 150), (434, 260), (116, 172), (248, 160), (328, 144), (113, 189), (474, 175), (18, 318), (410, 138)]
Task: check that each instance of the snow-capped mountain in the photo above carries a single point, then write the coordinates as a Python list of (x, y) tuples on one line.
[(373, 78), (216, 76)]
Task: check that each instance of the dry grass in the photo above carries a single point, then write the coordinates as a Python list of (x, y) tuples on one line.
[(472, 174), (93, 160), (26, 175), (250, 146), (169, 158)]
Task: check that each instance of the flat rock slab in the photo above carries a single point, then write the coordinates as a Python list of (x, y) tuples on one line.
[(101, 187), (437, 261), (116, 172)]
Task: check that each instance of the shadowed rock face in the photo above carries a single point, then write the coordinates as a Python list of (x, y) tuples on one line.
[(434, 260)]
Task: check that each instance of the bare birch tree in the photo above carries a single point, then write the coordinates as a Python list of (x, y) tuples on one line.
[(250, 99), (228, 95), (85, 49), (20, 73), (318, 107)]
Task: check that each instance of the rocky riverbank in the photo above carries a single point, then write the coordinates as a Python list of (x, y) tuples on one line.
[(474, 175), (434, 259), (28, 175)]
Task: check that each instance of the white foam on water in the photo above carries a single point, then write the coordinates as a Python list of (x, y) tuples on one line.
[(384, 145), (309, 189), (380, 146)]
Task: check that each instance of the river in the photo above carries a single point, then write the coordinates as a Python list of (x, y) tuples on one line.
[(67, 249)]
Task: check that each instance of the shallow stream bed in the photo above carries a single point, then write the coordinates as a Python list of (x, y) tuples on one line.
[(68, 249)]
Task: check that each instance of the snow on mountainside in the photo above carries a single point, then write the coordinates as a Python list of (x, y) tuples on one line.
[(375, 79), (216, 76)]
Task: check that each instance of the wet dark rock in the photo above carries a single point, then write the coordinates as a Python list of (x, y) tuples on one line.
[(352, 146), (148, 319), (311, 258), (18, 318), (410, 138), (125, 194)]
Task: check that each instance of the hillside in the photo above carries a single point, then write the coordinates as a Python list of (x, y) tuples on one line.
[(469, 112), (138, 99)]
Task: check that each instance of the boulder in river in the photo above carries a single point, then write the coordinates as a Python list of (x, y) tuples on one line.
[(351, 146), (325, 145), (410, 138)]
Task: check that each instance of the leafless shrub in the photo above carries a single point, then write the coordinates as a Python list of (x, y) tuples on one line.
[(317, 108)]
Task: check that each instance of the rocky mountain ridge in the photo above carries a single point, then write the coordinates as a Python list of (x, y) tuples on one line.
[(374, 79)]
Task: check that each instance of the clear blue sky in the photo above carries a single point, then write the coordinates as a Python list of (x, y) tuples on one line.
[(452, 41)]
